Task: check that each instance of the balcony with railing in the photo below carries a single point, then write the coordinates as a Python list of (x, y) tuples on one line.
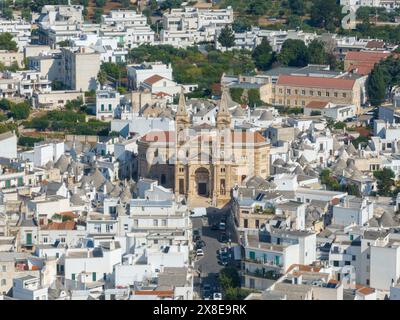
[(262, 273), (264, 262)]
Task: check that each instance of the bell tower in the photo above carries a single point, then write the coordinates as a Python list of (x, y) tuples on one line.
[(223, 115), (182, 119), (182, 123)]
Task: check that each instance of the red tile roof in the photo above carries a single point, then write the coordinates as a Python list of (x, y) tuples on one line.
[(160, 293), (364, 61), (162, 94), (317, 105), (366, 56), (159, 136), (365, 290), (247, 137), (316, 82), (153, 79), (375, 44), (67, 225), (303, 268)]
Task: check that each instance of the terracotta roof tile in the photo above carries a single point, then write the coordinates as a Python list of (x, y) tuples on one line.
[(366, 56), (67, 225), (316, 82), (317, 104), (159, 136), (153, 79), (365, 290)]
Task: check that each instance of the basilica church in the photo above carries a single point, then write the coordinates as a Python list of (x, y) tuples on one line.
[(203, 160)]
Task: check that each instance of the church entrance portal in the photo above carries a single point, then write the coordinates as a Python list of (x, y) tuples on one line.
[(203, 182)]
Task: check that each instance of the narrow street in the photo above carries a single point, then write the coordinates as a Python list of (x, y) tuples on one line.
[(208, 265)]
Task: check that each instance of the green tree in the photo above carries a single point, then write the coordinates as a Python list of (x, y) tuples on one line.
[(294, 22), (20, 111), (339, 125), (97, 13), (241, 24), (263, 55), (327, 179), (258, 7), (7, 42), (170, 4), (5, 104), (26, 14), (226, 37), (236, 94), (352, 189), (28, 141), (100, 3), (297, 7), (386, 182), (325, 14), (363, 13), (64, 43), (316, 51), (254, 98), (236, 293), (229, 278), (40, 124), (57, 85), (7, 13), (376, 86), (102, 77), (294, 53)]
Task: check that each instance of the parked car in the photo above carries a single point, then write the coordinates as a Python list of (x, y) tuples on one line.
[(200, 244), (196, 235), (222, 226), (207, 292), (215, 226), (224, 261), (223, 237), (217, 296), (199, 253)]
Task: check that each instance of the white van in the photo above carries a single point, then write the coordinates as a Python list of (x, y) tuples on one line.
[(198, 212)]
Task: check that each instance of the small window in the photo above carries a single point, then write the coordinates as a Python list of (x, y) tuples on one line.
[(336, 263), (3, 282)]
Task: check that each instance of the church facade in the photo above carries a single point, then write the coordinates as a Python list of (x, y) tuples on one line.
[(203, 161)]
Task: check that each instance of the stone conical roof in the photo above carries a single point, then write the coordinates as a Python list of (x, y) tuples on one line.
[(62, 163), (302, 160), (351, 149), (76, 200), (238, 112), (279, 162), (386, 220), (298, 170), (126, 195), (266, 116), (97, 178), (116, 191)]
